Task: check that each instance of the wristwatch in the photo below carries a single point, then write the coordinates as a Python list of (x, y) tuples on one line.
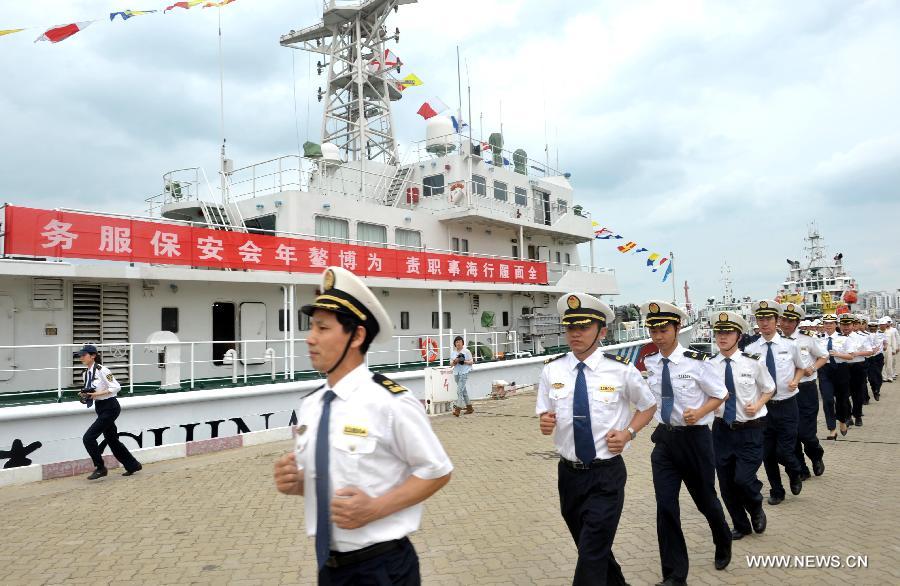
[(632, 432)]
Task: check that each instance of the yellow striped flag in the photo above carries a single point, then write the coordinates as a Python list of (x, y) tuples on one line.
[(627, 246), (10, 31), (410, 80)]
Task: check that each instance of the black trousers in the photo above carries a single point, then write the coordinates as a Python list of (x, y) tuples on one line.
[(859, 391), (105, 424), (808, 412), (779, 443), (739, 454), (591, 503), (838, 378), (398, 567), (684, 455), (874, 366)]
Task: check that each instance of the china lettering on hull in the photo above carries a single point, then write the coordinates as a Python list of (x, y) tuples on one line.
[(48, 233)]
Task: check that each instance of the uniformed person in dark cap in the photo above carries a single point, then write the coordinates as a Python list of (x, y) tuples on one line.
[(814, 357), (859, 387), (100, 389), (584, 400), (365, 455), (687, 391), (739, 424), (782, 359)]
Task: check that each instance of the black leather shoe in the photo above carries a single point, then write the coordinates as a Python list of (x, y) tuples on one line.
[(672, 582), (130, 472), (796, 485), (758, 520), (723, 557), (735, 535), (98, 473), (849, 422), (805, 475), (858, 422), (775, 500), (818, 467)]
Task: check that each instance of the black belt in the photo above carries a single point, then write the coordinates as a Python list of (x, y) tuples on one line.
[(667, 427), (758, 422), (339, 559), (598, 463)]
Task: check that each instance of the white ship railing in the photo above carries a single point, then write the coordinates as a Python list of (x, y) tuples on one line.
[(270, 363)]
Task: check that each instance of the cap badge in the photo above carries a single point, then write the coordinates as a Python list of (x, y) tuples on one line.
[(653, 308), (763, 305), (723, 316), (328, 281), (790, 307), (574, 302)]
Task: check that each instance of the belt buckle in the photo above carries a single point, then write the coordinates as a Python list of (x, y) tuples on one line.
[(332, 562)]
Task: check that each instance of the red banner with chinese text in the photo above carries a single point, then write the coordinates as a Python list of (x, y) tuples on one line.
[(58, 234)]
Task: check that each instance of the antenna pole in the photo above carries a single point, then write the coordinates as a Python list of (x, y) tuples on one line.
[(222, 165)]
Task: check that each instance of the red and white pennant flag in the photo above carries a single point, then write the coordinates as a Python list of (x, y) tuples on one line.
[(62, 32), (431, 108)]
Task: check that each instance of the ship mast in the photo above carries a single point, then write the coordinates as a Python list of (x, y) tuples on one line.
[(351, 40), (814, 247), (726, 283)]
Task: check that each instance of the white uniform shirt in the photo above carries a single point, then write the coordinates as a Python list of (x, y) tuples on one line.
[(895, 336), (877, 339), (377, 439), (103, 381), (751, 381), (840, 343), (612, 387), (787, 359), (811, 349), (863, 344), (693, 382)]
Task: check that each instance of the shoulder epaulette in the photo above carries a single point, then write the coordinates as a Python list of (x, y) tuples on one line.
[(617, 357), (809, 333), (549, 360), (696, 355), (787, 337), (748, 355), (649, 354), (387, 383)]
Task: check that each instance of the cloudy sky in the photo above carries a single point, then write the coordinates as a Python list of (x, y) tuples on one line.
[(716, 130)]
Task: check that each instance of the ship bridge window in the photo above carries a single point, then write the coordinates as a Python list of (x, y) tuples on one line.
[(433, 185), (302, 323), (170, 319), (521, 196), (408, 238), (562, 205), (261, 224), (479, 185), (500, 191), (371, 234), (333, 229)]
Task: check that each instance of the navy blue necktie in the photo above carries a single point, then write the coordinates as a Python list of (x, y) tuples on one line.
[(668, 395), (323, 489), (770, 363), (581, 420), (89, 387), (830, 348), (730, 403)]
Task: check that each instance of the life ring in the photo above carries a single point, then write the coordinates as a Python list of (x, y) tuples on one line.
[(429, 349), (457, 192)]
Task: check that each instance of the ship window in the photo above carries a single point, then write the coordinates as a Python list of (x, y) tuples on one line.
[(302, 321), (408, 238), (404, 320), (515, 251), (505, 318), (521, 196), (261, 224), (479, 185), (170, 319), (434, 320), (568, 259), (371, 234), (454, 244), (463, 245), (562, 205), (333, 229), (500, 190), (558, 255), (433, 185)]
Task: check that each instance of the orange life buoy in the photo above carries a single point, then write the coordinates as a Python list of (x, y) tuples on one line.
[(429, 349)]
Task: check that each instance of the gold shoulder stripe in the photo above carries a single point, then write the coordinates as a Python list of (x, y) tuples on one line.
[(617, 358), (387, 383), (549, 360)]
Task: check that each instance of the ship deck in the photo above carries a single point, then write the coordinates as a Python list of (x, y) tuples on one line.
[(216, 518)]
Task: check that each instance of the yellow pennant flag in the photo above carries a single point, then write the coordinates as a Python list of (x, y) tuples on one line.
[(10, 31), (410, 80)]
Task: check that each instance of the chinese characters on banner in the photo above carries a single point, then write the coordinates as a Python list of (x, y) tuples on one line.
[(47, 233)]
